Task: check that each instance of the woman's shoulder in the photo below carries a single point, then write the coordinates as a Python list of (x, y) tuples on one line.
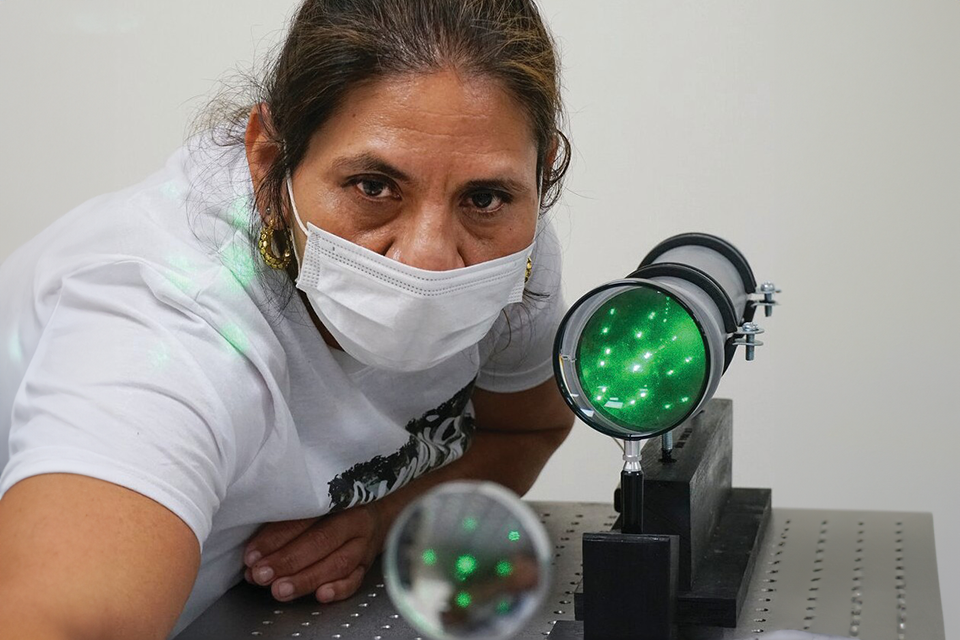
[(175, 248), (187, 224)]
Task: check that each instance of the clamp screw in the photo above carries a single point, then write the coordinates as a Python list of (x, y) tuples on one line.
[(767, 289), (749, 331)]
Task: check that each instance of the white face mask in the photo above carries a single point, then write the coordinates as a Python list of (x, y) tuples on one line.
[(393, 316)]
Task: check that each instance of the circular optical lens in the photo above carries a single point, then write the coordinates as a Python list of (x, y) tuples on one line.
[(468, 560), (641, 360)]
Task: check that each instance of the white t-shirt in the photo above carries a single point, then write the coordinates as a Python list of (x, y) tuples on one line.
[(142, 342)]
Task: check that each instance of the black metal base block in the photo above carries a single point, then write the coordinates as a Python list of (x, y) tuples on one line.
[(723, 578), (630, 584), (720, 587), (719, 528), (686, 497)]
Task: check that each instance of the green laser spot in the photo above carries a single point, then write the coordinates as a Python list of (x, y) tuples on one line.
[(504, 568), (464, 599), (470, 524), (172, 191), (513, 536), (236, 337), (182, 274), (15, 348), (239, 212), (239, 264), (503, 607), (466, 565), (429, 557), (159, 356)]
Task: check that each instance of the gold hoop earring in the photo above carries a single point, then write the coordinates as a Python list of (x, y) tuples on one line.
[(267, 247), (526, 277)]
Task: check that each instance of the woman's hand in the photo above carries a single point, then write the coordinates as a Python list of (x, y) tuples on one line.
[(326, 556)]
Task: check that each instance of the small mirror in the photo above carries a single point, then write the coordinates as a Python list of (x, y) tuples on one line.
[(467, 560)]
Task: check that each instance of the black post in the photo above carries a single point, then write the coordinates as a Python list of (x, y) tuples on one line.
[(631, 484)]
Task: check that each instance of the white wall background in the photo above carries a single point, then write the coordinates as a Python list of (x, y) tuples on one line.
[(820, 136)]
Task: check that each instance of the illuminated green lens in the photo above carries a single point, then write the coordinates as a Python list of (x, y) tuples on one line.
[(642, 361)]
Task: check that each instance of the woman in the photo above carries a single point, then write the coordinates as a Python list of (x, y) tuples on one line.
[(177, 379)]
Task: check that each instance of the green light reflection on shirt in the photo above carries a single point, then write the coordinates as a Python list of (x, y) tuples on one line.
[(234, 335), (15, 348), (182, 273), (642, 364), (240, 264), (172, 190), (160, 355), (239, 212)]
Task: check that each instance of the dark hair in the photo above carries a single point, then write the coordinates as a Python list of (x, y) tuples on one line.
[(333, 45)]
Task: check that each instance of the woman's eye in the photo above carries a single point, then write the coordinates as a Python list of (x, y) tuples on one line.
[(486, 201), (374, 188)]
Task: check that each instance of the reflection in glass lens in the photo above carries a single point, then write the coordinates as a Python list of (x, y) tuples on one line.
[(468, 560), (642, 361)]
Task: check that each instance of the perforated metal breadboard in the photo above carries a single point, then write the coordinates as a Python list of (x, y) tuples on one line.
[(851, 574)]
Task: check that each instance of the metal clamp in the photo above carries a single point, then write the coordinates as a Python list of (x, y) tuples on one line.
[(749, 332)]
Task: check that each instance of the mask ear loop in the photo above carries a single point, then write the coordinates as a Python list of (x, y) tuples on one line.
[(296, 215)]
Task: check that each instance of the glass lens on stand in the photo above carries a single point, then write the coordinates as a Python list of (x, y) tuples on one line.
[(467, 560), (632, 360)]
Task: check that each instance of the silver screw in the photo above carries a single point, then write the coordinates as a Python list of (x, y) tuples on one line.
[(768, 289), (750, 330), (666, 447)]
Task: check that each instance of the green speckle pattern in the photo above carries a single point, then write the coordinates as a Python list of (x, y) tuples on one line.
[(642, 360), (429, 557)]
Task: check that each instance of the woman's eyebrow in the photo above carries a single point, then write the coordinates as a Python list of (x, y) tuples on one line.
[(370, 162), (497, 184)]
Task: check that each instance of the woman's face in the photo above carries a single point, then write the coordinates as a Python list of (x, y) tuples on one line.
[(437, 171)]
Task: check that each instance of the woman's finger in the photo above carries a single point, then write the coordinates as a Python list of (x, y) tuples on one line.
[(307, 549), (340, 564), (341, 589), (273, 536)]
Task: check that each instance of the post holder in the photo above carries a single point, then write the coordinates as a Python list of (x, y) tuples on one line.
[(693, 561)]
